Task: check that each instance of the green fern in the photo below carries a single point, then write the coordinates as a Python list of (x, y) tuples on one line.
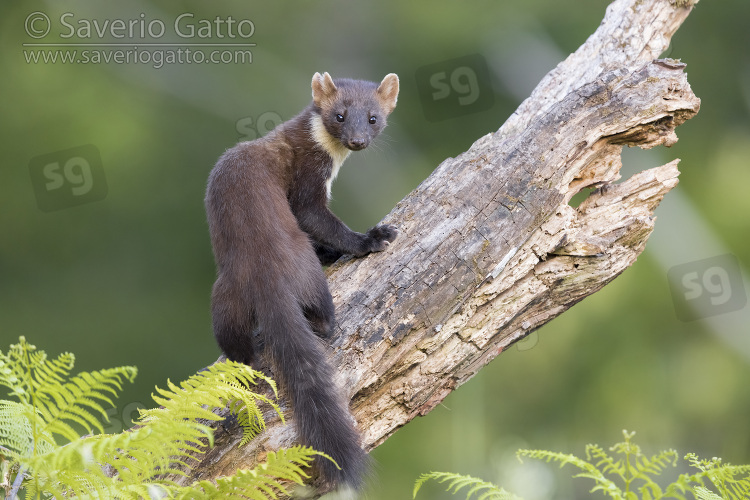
[(633, 469), (731, 481), (702, 493), (457, 482), (15, 429), (52, 402), (629, 467), (40, 446), (260, 483)]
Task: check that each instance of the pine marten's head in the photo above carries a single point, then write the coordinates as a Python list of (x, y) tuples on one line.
[(353, 112)]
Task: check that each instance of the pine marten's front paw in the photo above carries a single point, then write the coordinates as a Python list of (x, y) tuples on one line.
[(379, 237)]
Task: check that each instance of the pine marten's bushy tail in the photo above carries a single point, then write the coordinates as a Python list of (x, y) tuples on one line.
[(321, 415)]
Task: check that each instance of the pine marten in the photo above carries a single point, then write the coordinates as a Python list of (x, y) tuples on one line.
[(271, 229)]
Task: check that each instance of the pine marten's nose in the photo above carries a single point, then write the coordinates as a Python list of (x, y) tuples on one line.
[(357, 143)]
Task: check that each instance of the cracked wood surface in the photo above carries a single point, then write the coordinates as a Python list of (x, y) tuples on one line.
[(489, 248)]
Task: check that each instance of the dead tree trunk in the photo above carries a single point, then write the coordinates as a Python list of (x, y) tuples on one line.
[(489, 249)]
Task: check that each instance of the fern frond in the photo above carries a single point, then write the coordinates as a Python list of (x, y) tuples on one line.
[(130, 464), (163, 434), (74, 484), (261, 483), (702, 493), (644, 469), (635, 466), (23, 369), (58, 403), (605, 463), (731, 481), (15, 430), (588, 470), (217, 386), (456, 482), (73, 402)]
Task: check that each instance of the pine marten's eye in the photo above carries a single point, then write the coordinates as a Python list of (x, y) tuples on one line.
[(373, 120), (339, 117)]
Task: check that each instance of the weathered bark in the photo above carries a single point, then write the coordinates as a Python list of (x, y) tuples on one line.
[(489, 249)]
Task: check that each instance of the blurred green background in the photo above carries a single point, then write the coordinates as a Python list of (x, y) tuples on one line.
[(126, 277)]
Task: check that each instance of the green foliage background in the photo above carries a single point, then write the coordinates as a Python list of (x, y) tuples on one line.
[(126, 280)]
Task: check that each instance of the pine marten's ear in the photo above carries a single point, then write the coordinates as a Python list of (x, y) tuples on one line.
[(388, 92), (323, 89)]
